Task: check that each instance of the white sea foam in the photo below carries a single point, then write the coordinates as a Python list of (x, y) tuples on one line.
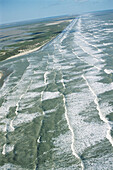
[(105, 44), (24, 118), (104, 119), (50, 111), (87, 47), (66, 116), (12, 167), (87, 133), (72, 132), (45, 77), (20, 98), (85, 129), (100, 87), (87, 62), (50, 95), (36, 85), (7, 149), (4, 149), (106, 109), (9, 123), (6, 125), (66, 31), (90, 52), (29, 95), (38, 140), (108, 71), (83, 38)]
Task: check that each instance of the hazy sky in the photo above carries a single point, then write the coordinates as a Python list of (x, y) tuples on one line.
[(19, 10)]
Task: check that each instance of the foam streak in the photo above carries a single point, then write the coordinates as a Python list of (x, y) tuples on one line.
[(108, 136), (16, 113), (72, 132), (85, 61)]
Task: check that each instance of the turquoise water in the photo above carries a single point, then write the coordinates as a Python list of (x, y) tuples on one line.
[(56, 104)]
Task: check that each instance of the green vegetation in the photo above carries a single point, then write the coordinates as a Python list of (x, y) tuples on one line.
[(20, 38)]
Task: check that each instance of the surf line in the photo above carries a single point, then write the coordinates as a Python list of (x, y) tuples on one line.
[(45, 83), (85, 61), (108, 136), (66, 116), (69, 125), (71, 129), (16, 113), (95, 45), (41, 98), (93, 57), (17, 104), (65, 33), (84, 40), (72, 132)]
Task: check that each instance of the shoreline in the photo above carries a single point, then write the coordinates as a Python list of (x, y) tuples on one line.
[(29, 51), (25, 52), (22, 54), (32, 33)]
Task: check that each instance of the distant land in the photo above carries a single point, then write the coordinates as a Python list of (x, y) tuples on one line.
[(24, 37)]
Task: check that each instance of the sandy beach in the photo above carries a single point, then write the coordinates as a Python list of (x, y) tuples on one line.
[(58, 22), (29, 51), (25, 38), (25, 52), (1, 74)]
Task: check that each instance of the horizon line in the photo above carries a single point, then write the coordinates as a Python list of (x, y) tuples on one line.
[(44, 18)]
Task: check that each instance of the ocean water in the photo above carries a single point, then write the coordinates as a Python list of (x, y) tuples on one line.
[(56, 104)]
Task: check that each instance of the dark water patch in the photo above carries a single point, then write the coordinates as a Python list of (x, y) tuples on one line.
[(57, 32), (90, 114), (31, 106), (35, 33), (4, 36), (1, 101), (106, 95), (101, 148), (24, 139), (110, 117), (72, 90), (19, 40), (51, 87), (37, 89), (53, 126), (11, 113), (51, 103), (106, 78), (94, 156), (6, 72)]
